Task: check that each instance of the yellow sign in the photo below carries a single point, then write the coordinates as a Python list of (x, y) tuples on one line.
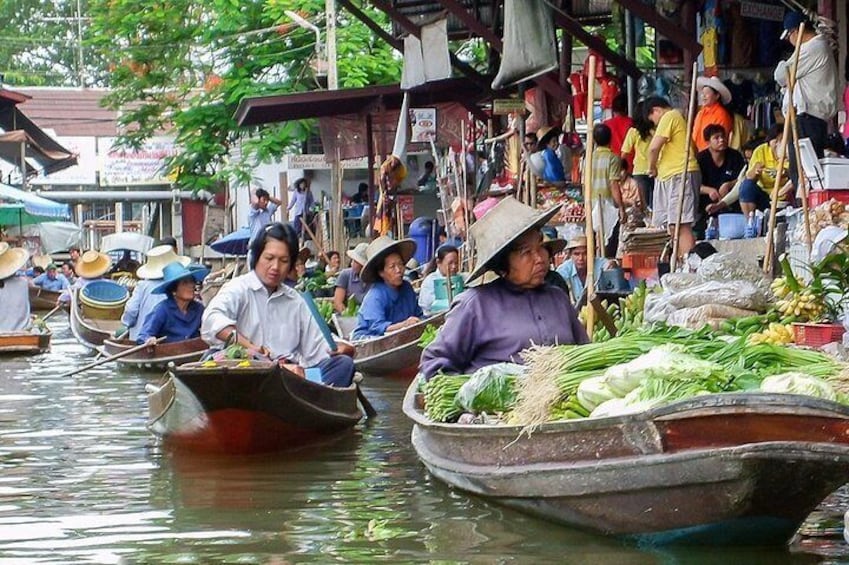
[(504, 106)]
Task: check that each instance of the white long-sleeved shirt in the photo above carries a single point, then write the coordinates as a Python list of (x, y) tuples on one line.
[(816, 80), (141, 303), (281, 321), (14, 296)]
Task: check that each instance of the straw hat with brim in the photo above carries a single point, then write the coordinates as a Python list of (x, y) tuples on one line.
[(41, 261), (580, 241), (358, 253), (12, 260), (92, 264), (506, 222), (175, 272), (545, 134), (378, 249), (716, 84), (554, 244), (157, 258)]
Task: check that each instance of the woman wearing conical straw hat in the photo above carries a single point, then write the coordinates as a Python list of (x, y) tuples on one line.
[(91, 266), (14, 289), (493, 322), (349, 286)]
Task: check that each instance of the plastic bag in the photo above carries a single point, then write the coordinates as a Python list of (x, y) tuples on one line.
[(739, 294), (491, 388), (676, 282), (727, 267), (710, 314)]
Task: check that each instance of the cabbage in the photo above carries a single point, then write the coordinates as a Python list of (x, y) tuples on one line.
[(592, 392), (619, 407), (799, 383), (491, 388), (668, 362)]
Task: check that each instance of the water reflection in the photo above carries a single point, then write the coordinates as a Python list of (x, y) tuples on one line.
[(82, 480)]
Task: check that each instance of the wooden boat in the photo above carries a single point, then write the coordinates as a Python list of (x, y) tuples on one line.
[(91, 332), (228, 408), (24, 343), (393, 354), (727, 468), (41, 299), (156, 356)]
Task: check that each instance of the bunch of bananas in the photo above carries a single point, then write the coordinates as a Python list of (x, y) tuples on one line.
[(775, 334), (803, 305), (631, 308)]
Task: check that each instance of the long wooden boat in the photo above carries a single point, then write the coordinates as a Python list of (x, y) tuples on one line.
[(394, 354), (728, 468), (91, 332), (156, 356), (24, 343), (41, 299), (229, 408)]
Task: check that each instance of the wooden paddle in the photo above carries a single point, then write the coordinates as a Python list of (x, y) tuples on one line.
[(328, 337), (56, 309), (111, 358)]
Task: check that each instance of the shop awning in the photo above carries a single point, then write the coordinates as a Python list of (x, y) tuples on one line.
[(33, 204), (41, 149)]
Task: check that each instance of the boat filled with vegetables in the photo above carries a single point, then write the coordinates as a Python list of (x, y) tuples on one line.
[(660, 433)]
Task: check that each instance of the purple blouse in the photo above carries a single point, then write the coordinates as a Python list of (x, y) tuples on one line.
[(492, 323)]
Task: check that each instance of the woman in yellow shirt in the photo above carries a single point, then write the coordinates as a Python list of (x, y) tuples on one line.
[(637, 141), (756, 188)]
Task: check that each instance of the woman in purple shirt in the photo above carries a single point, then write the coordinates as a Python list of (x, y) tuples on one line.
[(494, 322)]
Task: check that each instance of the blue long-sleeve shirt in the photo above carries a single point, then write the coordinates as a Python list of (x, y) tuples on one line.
[(383, 306), (169, 321), (141, 304), (56, 284), (492, 323), (553, 171)]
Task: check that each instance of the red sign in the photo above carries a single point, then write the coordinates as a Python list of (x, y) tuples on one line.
[(405, 204)]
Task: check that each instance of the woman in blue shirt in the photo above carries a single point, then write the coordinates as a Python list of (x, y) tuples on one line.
[(178, 317), (548, 143), (390, 304)]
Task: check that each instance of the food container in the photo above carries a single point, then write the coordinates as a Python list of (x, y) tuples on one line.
[(732, 226), (817, 335)]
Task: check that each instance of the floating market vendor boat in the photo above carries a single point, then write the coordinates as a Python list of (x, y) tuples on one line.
[(93, 331), (41, 299), (246, 407), (723, 468), (396, 353), (24, 343), (156, 356)]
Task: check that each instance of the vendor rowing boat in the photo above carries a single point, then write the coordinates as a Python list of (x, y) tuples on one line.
[(730, 468), (42, 299), (246, 407), (24, 342), (156, 356), (396, 353)]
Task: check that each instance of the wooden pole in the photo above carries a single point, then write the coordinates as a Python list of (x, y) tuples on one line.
[(111, 358), (589, 287), (691, 114), (800, 170), (779, 176)]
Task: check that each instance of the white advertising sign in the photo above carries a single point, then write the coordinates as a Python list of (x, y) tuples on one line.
[(122, 166), (317, 162), (83, 173), (423, 124)]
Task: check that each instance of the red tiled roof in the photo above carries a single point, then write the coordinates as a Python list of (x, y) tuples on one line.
[(70, 111)]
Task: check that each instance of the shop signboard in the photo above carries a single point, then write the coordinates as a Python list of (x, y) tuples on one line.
[(505, 106), (84, 173), (142, 166), (762, 11), (318, 162), (423, 125)]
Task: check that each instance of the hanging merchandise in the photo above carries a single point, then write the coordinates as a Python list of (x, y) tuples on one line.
[(427, 59), (392, 173), (609, 91), (530, 47), (579, 95)]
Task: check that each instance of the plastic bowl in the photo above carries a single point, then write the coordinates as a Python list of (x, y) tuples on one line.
[(105, 292), (732, 226)]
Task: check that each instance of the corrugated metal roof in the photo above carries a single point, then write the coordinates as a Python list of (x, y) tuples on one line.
[(71, 111)]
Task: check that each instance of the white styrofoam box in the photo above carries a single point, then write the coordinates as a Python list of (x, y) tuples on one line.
[(831, 173)]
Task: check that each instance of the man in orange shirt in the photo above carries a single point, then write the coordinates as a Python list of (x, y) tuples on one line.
[(714, 96)]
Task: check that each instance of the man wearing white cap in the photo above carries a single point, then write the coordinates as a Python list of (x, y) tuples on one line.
[(14, 289), (143, 300)]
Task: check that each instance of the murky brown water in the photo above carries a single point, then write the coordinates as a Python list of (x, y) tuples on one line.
[(83, 481)]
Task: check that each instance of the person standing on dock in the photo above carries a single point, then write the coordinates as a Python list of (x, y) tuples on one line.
[(263, 207)]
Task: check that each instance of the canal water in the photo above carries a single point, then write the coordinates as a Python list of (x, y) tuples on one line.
[(83, 481)]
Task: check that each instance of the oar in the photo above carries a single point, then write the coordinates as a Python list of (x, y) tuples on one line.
[(56, 309), (328, 337), (111, 358)]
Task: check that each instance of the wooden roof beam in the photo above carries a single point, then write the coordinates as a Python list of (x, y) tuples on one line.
[(574, 28), (664, 26), (476, 27)]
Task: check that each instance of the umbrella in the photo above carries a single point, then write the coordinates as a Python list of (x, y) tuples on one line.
[(235, 243), (35, 205), (17, 215)]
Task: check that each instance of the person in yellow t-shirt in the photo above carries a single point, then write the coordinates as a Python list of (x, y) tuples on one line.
[(757, 187), (637, 141), (667, 151)]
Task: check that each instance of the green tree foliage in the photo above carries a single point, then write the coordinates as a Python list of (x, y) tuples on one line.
[(39, 43), (184, 66)]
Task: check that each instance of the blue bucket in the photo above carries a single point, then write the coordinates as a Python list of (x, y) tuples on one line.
[(732, 226), (105, 292)]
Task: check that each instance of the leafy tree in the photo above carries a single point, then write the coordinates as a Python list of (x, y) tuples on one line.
[(184, 65)]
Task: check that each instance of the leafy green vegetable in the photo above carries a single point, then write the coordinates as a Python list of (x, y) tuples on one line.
[(428, 335), (440, 395), (491, 389)]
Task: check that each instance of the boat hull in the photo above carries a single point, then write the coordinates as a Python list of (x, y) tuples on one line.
[(395, 354), (648, 476), (262, 408), (41, 300), (157, 356), (24, 343), (89, 331)]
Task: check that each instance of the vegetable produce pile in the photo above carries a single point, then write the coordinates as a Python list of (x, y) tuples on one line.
[(632, 372), (831, 213), (428, 335), (627, 314)]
